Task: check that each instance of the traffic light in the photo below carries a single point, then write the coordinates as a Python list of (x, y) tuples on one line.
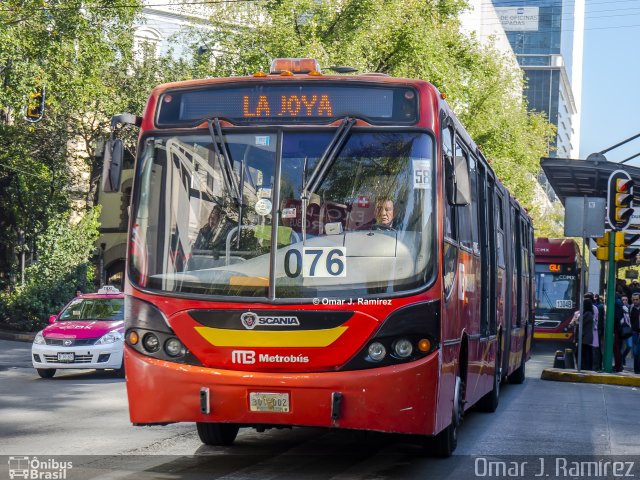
[(35, 106), (623, 247), (620, 200)]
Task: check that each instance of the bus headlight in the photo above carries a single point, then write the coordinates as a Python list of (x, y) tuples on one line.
[(403, 348), (377, 351), (174, 347), (150, 342), (148, 333)]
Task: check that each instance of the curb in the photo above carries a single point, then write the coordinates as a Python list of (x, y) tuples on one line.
[(17, 336), (560, 375)]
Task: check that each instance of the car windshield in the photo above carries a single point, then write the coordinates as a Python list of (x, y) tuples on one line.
[(109, 309), (367, 229)]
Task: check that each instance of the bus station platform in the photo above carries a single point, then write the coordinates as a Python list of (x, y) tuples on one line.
[(626, 379)]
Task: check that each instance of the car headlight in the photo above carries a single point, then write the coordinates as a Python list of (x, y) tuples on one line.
[(110, 337), (39, 339)]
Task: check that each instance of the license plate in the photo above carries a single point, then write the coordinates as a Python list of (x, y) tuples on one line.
[(269, 402), (66, 357)]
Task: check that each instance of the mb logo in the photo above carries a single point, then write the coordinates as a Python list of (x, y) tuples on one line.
[(245, 357)]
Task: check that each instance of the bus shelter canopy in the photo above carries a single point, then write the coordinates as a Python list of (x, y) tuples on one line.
[(578, 178)]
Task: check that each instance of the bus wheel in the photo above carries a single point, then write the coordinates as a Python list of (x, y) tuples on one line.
[(517, 376), (46, 372), (217, 434), (444, 443), (489, 402)]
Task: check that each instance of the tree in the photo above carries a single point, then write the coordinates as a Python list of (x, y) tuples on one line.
[(65, 249), (404, 38), (62, 46)]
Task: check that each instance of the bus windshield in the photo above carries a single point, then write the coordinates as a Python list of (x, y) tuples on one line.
[(243, 227), (555, 291)]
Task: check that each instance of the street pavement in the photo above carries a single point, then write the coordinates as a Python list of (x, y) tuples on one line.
[(85, 413)]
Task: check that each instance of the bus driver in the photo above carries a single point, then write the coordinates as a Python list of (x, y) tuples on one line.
[(384, 213)]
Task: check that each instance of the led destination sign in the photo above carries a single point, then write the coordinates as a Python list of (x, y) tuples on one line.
[(291, 103)]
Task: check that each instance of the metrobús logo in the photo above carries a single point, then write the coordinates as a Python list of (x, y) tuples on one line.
[(251, 319), (248, 357), (33, 468)]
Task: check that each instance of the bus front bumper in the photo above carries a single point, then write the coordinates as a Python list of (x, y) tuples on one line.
[(399, 399)]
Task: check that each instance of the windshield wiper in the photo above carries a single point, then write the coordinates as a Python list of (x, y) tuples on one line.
[(221, 150), (546, 295), (328, 157)]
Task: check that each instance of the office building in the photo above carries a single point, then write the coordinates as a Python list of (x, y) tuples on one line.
[(547, 39)]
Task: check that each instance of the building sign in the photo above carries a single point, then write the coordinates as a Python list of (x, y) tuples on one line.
[(518, 19)]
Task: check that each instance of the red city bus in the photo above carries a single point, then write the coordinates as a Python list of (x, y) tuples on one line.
[(557, 277), (318, 250)]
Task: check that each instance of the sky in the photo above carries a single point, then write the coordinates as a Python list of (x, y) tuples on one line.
[(611, 79)]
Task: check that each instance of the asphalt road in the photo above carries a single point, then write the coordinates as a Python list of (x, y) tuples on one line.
[(84, 415)]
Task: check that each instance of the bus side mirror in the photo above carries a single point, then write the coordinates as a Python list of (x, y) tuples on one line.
[(52, 319), (457, 181), (112, 166)]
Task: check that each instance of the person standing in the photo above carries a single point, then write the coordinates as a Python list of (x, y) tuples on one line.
[(634, 315), (626, 343), (586, 334), (618, 318), (599, 352)]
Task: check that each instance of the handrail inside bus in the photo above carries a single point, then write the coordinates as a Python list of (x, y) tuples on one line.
[(329, 155)]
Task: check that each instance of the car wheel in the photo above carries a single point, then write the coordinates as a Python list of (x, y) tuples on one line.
[(46, 372), (217, 434)]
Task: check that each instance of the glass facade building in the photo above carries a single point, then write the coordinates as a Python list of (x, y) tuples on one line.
[(546, 37)]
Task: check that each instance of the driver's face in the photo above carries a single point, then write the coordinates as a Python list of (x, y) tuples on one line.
[(384, 213)]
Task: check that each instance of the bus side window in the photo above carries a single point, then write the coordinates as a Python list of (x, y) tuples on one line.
[(450, 226), (474, 217), (499, 230), (464, 214)]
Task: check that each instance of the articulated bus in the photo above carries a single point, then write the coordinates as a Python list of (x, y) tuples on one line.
[(557, 277), (318, 250)]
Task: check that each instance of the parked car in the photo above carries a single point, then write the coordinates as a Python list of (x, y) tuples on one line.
[(87, 333)]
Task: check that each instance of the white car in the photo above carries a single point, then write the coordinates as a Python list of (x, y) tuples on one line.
[(88, 333)]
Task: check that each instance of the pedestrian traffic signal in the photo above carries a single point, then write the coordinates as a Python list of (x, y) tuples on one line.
[(35, 106), (620, 200)]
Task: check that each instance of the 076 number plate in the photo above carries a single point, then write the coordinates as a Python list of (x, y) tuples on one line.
[(269, 402)]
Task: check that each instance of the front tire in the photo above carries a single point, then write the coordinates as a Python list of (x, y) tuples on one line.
[(217, 434), (445, 442), (46, 372)]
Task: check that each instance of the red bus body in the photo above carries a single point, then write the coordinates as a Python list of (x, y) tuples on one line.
[(478, 302), (558, 266)]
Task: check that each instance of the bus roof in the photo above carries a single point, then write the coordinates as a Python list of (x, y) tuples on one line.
[(556, 250)]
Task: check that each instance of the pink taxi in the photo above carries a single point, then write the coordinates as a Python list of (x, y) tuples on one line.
[(88, 333)]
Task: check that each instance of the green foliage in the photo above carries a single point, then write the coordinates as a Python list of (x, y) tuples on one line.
[(63, 46), (65, 250)]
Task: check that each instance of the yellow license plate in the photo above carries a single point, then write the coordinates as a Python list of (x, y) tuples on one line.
[(269, 402)]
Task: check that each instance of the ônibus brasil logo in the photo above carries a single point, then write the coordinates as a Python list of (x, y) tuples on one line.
[(33, 468), (251, 319)]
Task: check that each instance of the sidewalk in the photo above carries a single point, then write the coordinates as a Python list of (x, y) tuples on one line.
[(627, 379), (17, 336)]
